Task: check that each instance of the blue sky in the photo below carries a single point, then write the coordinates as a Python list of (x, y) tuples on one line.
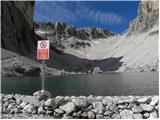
[(112, 15)]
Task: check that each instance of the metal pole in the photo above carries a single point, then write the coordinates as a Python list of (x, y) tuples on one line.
[(43, 73)]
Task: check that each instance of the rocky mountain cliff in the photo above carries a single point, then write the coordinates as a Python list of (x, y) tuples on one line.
[(63, 31), (148, 17), (17, 26), (85, 50)]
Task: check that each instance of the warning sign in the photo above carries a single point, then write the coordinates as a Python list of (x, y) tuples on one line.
[(43, 49)]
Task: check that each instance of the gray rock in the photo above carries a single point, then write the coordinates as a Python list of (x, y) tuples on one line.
[(91, 115), (107, 101), (50, 102), (42, 95), (130, 99), (122, 106), (146, 115), (59, 100), (154, 100), (116, 116), (108, 113), (10, 106), (80, 103), (143, 100), (84, 115), (138, 116), (59, 111), (68, 108), (66, 116), (147, 107), (79, 114), (98, 116), (49, 112), (23, 104), (126, 114), (137, 109), (28, 108), (98, 105), (19, 101), (41, 111), (153, 115)]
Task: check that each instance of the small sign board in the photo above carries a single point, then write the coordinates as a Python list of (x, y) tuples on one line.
[(43, 50)]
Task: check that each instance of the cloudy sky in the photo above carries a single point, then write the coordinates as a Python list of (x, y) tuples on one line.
[(113, 15)]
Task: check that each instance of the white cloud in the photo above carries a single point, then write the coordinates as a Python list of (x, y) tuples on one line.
[(59, 13), (99, 16)]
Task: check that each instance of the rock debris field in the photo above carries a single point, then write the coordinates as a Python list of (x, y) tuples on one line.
[(71, 107)]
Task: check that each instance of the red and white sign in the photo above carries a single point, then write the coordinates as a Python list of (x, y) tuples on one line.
[(43, 49)]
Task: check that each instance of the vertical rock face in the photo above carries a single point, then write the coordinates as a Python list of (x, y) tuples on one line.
[(17, 26), (148, 14)]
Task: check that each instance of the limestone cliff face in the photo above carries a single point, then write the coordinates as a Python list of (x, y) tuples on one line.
[(148, 16), (17, 26)]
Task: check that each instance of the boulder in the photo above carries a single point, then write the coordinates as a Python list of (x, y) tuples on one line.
[(59, 111), (28, 108), (143, 100), (147, 107), (68, 107), (154, 100), (59, 100), (138, 116), (137, 109), (42, 95), (41, 111), (153, 115), (80, 103), (50, 102), (23, 104), (99, 116), (91, 115), (126, 114), (84, 115)]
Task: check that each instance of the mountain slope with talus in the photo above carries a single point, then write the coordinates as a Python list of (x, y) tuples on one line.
[(136, 50)]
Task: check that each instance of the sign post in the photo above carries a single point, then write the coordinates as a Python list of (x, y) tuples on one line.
[(43, 54)]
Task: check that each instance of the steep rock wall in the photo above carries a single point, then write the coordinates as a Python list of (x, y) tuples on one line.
[(17, 26)]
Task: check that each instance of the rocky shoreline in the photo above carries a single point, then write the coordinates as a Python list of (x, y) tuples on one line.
[(71, 107)]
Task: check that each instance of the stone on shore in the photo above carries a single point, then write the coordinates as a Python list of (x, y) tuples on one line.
[(91, 115), (126, 114), (68, 108), (42, 95), (146, 107)]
